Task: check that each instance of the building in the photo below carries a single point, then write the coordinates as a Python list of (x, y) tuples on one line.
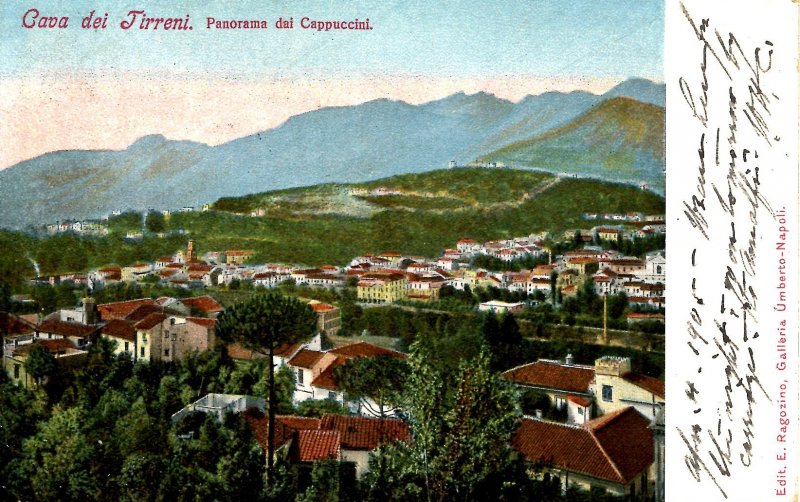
[(66, 355), (123, 334), (164, 337), (617, 387), (588, 391), (381, 287), (238, 256), (329, 318), (613, 453), (499, 307), (568, 386), (219, 405), (204, 306), (304, 441)]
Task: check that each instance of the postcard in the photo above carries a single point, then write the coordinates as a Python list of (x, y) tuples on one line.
[(399, 250)]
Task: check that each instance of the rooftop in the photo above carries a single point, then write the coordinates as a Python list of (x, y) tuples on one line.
[(553, 375), (616, 447)]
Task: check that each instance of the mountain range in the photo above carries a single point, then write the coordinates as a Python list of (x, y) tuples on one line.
[(617, 136)]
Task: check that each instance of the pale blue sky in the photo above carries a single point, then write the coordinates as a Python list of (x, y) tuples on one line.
[(75, 88), (467, 38)]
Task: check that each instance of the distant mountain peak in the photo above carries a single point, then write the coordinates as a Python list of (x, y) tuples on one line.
[(149, 141)]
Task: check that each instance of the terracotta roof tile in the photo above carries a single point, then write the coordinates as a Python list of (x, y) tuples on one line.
[(365, 433), (305, 358), (285, 426), (13, 325), (616, 447), (326, 379), (119, 329), (204, 303), (647, 383), (321, 307), (287, 349), (120, 310), (579, 400), (64, 328), (152, 320), (314, 445), (553, 375), (52, 346)]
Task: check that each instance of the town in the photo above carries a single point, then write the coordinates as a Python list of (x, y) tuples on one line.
[(592, 425)]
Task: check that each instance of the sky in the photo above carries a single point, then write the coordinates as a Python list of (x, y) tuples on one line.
[(80, 88)]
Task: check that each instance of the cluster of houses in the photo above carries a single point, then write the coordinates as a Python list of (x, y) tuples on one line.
[(87, 227), (391, 276), (603, 427)]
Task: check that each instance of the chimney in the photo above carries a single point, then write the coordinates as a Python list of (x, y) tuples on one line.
[(89, 311), (569, 360)]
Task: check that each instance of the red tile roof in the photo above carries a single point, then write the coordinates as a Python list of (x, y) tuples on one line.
[(13, 325), (305, 358), (285, 426), (580, 401), (286, 349), (204, 303), (616, 447), (120, 310), (63, 328), (326, 379), (553, 375), (365, 433), (119, 329), (364, 349), (311, 446), (647, 383), (143, 311), (321, 307), (52, 346), (152, 320)]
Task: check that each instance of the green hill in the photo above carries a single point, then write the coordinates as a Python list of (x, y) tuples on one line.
[(620, 139), (421, 213)]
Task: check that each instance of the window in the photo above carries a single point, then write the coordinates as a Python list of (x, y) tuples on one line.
[(16, 371), (658, 269), (607, 393), (142, 352), (560, 402), (331, 396), (300, 376), (166, 352), (126, 347)]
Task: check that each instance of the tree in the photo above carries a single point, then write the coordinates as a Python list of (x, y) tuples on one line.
[(155, 221), (461, 422), (553, 282), (262, 324), (40, 363), (380, 379)]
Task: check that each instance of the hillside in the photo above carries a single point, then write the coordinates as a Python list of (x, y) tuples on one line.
[(345, 144), (333, 223), (620, 139)]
